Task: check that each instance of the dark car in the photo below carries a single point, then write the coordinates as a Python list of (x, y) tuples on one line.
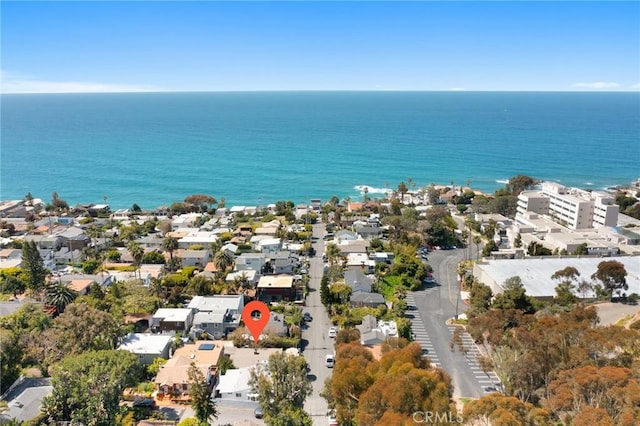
[(144, 403), (307, 317)]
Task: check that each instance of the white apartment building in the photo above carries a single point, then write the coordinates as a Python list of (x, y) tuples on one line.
[(572, 207)]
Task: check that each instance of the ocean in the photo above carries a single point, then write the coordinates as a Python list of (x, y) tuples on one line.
[(256, 148)]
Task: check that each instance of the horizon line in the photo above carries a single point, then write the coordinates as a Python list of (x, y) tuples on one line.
[(323, 91)]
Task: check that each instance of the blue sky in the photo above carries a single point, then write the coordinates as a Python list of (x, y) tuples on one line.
[(228, 46)]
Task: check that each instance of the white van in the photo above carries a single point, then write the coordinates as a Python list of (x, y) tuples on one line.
[(329, 360)]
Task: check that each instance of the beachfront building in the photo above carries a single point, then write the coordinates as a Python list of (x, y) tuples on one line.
[(571, 207)]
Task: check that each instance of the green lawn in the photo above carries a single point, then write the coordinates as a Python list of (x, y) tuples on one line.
[(388, 284)]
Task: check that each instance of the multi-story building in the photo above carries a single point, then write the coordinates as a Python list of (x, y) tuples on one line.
[(571, 207)]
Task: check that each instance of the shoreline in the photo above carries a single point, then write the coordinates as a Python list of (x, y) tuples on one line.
[(357, 194)]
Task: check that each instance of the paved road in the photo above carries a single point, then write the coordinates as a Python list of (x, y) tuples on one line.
[(315, 338), (435, 304)]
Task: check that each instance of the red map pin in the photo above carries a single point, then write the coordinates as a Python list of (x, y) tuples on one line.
[(255, 316)]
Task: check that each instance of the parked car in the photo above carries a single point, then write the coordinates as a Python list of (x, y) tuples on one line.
[(144, 403), (307, 317), (257, 413), (332, 332), (329, 360)]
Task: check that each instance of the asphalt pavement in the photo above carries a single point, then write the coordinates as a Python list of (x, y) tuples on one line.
[(434, 305), (316, 343)]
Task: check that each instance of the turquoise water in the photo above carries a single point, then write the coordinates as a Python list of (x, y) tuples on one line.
[(253, 148)]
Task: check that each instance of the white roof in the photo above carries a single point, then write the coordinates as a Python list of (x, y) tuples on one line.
[(173, 314), (144, 343), (218, 303), (234, 380), (536, 273)]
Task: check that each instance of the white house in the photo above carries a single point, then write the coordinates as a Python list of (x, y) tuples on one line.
[(147, 347), (234, 385)]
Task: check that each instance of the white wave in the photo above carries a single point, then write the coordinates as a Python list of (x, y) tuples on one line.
[(372, 190), (589, 183), (504, 181)]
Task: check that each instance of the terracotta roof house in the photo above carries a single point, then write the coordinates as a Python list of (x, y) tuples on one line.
[(173, 378), (81, 286)]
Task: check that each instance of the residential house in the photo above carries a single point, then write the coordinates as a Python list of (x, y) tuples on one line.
[(250, 261), (373, 332), (197, 258), (74, 238), (269, 246), (197, 238), (358, 281), (217, 315), (282, 262), (172, 320), (249, 275), (345, 235), (352, 246), (274, 288), (234, 385), (185, 221), (276, 325), (24, 399), (81, 286), (364, 299), (173, 381), (361, 260), (45, 242), (230, 248), (10, 258), (147, 347)]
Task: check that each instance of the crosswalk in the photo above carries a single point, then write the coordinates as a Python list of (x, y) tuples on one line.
[(420, 334), (489, 381)]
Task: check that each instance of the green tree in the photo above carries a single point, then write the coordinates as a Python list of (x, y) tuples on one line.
[(567, 277), (33, 267), (282, 385), (87, 387), (223, 260), (137, 253), (201, 402), (514, 296), (200, 202), (612, 275), (170, 244), (90, 266), (402, 189), (479, 299), (59, 295)]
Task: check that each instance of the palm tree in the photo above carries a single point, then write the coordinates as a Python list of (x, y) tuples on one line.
[(402, 189), (170, 244), (477, 239), (222, 260), (59, 295), (333, 252), (137, 253)]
